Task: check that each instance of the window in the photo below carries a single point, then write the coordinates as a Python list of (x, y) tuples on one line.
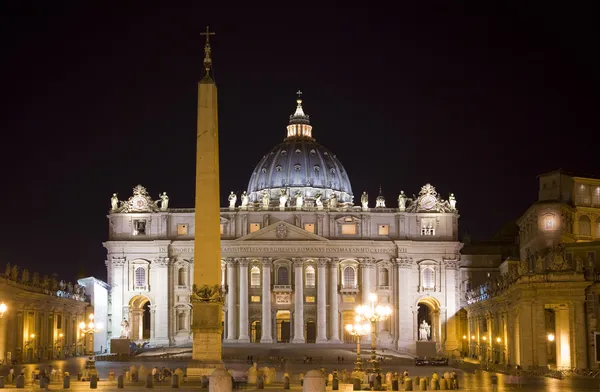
[(428, 279), (596, 196), (310, 299), (59, 321), (349, 229), (255, 277), (549, 222), (255, 298), (384, 277), (181, 276), (384, 229), (585, 228), (310, 227), (582, 194), (283, 275), (140, 277), (427, 226), (591, 256), (181, 322), (254, 227), (349, 277), (309, 277), (182, 229), (139, 227)]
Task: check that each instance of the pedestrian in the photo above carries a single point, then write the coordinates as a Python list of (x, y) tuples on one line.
[(494, 383)]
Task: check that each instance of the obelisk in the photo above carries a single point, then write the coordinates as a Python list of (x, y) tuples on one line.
[(207, 298)]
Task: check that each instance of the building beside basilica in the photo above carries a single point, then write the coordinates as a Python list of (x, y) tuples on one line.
[(297, 257), (542, 308)]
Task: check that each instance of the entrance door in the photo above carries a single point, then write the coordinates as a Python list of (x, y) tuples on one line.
[(283, 326), (255, 332), (348, 318), (311, 332)]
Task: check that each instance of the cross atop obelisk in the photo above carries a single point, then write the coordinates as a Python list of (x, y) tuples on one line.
[(207, 51)]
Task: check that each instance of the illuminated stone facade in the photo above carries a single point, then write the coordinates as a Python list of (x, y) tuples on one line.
[(297, 257), (42, 318), (542, 309)]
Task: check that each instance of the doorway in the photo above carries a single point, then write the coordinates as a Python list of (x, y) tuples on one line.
[(311, 332), (283, 326), (255, 331)]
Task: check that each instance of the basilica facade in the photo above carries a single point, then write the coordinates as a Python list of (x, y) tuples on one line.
[(298, 256)]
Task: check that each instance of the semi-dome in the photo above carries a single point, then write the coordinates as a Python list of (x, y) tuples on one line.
[(302, 166)]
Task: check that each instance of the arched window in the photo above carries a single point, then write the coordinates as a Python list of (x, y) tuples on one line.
[(255, 277), (309, 276), (585, 228), (283, 275), (349, 277), (384, 277), (428, 279), (181, 276), (140, 277), (181, 322)]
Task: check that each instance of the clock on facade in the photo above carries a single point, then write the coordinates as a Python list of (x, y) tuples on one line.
[(139, 203), (428, 202)]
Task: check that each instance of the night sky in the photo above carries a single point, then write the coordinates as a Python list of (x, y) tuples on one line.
[(477, 100)]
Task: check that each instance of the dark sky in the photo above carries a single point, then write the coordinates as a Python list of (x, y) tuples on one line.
[(477, 100)]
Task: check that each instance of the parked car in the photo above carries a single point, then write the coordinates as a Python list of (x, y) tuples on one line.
[(439, 361), (421, 362)]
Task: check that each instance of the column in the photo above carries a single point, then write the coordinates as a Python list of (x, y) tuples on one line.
[(243, 264), (333, 301), (579, 335), (322, 301), (152, 321), (231, 302), (416, 324), (407, 330), (267, 336), (298, 302), (367, 267), (563, 337)]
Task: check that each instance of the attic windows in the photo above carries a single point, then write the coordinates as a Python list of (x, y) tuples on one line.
[(254, 227), (427, 226), (278, 168), (297, 167), (283, 152), (139, 227), (313, 152), (298, 152), (263, 170), (349, 228), (317, 168), (332, 170)]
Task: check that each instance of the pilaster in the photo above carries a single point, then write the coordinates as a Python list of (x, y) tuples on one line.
[(243, 279), (334, 266), (322, 301), (231, 299), (298, 301)]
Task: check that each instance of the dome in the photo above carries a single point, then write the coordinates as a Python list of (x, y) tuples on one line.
[(300, 165)]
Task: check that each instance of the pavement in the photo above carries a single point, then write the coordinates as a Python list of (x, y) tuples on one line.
[(292, 359)]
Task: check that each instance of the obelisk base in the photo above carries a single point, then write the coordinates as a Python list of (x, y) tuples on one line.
[(206, 345)]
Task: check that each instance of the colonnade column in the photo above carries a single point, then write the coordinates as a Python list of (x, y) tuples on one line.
[(243, 267), (366, 267), (322, 301), (563, 337), (231, 302), (298, 302), (333, 301), (266, 336)]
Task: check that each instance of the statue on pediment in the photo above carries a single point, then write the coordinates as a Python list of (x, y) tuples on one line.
[(35, 280), (125, 329), (452, 201), (364, 200), (402, 201), (114, 203), (14, 273), (283, 198), (424, 331), (25, 276), (232, 200), (70, 287), (164, 201), (245, 199), (265, 199), (299, 200), (318, 201), (333, 201)]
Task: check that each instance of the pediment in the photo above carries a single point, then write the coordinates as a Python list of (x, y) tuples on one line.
[(347, 219), (224, 220), (281, 231)]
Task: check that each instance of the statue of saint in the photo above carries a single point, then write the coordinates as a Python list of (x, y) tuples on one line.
[(164, 201), (333, 201), (283, 198), (424, 331), (318, 201), (452, 201), (299, 200), (232, 199), (364, 200), (402, 201), (244, 200), (114, 202), (265, 199), (539, 265), (125, 329)]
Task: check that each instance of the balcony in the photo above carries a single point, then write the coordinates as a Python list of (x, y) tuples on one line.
[(282, 288), (349, 288)]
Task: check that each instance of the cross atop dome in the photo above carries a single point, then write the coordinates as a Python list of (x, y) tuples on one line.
[(299, 121)]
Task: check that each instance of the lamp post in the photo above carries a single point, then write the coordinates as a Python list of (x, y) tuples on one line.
[(90, 329), (59, 344), (374, 313), (359, 330)]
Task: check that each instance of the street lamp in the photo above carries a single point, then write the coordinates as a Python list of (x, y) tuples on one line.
[(3, 309), (59, 344), (359, 330), (374, 312)]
